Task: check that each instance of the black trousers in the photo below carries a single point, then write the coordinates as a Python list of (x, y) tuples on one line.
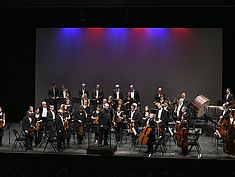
[(103, 135), (60, 138), (28, 141)]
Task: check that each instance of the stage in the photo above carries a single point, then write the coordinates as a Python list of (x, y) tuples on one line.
[(122, 159)]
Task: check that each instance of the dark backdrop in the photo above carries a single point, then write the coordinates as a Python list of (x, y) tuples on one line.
[(18, 28)]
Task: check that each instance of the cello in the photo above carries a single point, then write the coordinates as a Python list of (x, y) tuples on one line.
[(181, 135), (143, 138)]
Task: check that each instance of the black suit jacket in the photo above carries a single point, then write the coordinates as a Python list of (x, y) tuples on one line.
[(136, 117), (50, 93), (163, 117), (100, 95), (230, 98), (114, 93), (105, 117), (136, 96), (59, 123), (26, 124), (50, 120), (85, 91)]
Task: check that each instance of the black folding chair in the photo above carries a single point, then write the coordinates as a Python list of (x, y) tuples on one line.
[(160, 143), (52, 141), (19, 139), (193, 142)]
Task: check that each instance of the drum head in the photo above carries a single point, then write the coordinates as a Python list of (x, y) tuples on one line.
[(201, 102)]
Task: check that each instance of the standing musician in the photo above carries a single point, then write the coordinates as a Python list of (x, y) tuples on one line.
[(97, 95), (64, 94), (104, 124), (134, 94), (59, 124), (117, 93), (83, 91), (51, 117), (67, 127), (158, 95), (184, 99), (43, 113), (128, 101), (223, 122), (182, 131), (38, 127), (28, 128), (161, 119), (53, 94), (95, 122), (134, 122), (80, 123), (2, 124), (228, 97), (118, 120)]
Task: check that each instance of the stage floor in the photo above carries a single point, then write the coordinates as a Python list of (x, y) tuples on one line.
[(207, 144)]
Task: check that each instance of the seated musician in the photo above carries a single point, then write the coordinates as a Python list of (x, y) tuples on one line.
[(134, 122), (80, 122), (128, 101), (28, 129), (151, 137), (145, 115)]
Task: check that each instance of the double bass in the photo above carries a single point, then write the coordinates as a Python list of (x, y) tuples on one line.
[(181, 135)]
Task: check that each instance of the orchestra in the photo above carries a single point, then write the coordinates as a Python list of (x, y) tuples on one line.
[(55, 119)]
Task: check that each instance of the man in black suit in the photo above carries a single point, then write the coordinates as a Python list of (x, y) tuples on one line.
[(134, 94), (97, 95), (228, 97), (105, 124), (27, 127), (161, 119), (51, 116), (53, 94), (117, 93), (83, 91), (59, 123), (134, 121)]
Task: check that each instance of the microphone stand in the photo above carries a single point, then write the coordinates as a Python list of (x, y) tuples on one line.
[(8, 127)]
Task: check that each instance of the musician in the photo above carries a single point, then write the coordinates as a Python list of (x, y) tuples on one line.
[(128, 101), (64, 94), (134, 94), (87, 108), (151, 137), (59, 124), (118, 120), (28, 129), (83, 91), (97, 95), (177, 109), (228, 97), (83, 98), (117, 93), (95, 121), (53, 94), (145, 115), (67, 130), (185, 99), (158, 95), (134, 122), (161, 119), (2, 124), (119, 104), (51, 116), (104, 124), (43, 113), (80, 122), (38, 127)]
